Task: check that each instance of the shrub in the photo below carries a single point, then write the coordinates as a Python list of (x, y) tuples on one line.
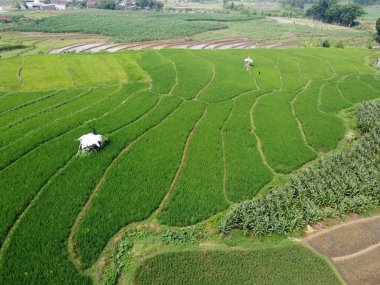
[(325, 44), (339, 44), (11, 47), (188, 235)]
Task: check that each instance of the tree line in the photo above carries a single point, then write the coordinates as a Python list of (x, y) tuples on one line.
[(329, 11)]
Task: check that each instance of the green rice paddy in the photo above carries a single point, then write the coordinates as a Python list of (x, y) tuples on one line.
[(189, 133)]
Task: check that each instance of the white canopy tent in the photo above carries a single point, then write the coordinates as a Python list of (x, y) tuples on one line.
[(91, 141)]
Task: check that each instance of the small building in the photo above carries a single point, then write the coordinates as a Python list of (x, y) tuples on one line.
[(33, 5), (378, 63), (91, 142), (48, 7)]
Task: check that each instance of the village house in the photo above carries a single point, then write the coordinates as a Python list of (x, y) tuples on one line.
[(59, 4), (30, 4), (46, 5)]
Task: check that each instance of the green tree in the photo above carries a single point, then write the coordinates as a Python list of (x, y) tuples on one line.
[(295, 3), (348, 13), (330, 12), (378, 26), (150, 4), (319, 9), (106, 4)]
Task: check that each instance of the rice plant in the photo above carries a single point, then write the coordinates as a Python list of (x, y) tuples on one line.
[(291, 264)]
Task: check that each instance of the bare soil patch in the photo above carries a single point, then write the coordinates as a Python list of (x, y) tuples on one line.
[(361, 270), (347, 238), (353, 247), (182, 44)]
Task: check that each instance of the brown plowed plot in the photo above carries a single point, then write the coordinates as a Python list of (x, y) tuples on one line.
[(353, 247), (182, 44), (361, 270), (348, 238)]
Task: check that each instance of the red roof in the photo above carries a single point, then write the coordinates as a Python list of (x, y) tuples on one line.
[(5, 18)]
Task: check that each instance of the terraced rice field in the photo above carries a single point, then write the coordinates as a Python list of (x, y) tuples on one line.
[(190, 133)]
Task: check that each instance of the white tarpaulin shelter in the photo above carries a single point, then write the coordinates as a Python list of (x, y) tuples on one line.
[(248, 62), (91, 141), (378, 63)]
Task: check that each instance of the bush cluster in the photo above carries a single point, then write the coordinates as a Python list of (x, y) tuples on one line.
[(188, 235), (11, 47), (330, 11)]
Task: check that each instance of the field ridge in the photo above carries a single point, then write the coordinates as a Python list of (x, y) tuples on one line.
[(253, 131), (358, 253), (183, 159), (225, 170), (299, 123)]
